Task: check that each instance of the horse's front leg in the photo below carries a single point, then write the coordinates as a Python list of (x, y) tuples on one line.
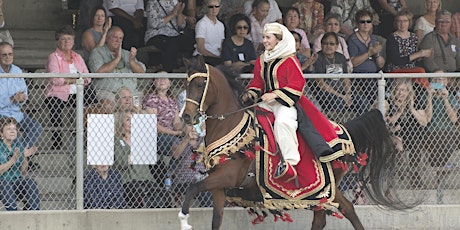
[(319, 220), (191, 192), (347, 209), (218, 199)]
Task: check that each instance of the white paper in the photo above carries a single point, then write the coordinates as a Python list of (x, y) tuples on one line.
[(100, 136), (144, 139)]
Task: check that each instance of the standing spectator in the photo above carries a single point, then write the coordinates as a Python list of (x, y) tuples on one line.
[(111, 58), (237, 50), (425, 23), (332, 23), (165, 24), (455, 29), (348, 9), (274, 12), (129, 16), (103, 189), (2, 19), (210, 33), (311, 17), (14, 183), (61, 92), (258, 19), (291, 20), (446, 48), (387, 13), (96, 35), (13, 94)]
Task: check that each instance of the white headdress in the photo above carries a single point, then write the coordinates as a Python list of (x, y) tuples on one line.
[(285, 47)]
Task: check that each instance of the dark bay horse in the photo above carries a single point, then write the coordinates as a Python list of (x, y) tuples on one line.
[(213, 94)]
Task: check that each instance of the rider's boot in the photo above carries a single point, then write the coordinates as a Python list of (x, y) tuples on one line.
[(285, 172)]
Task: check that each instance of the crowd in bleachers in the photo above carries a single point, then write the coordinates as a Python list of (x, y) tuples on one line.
[(332, 36)]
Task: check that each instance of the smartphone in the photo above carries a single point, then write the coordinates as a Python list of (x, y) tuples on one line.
[(136, 101), (436, 85)]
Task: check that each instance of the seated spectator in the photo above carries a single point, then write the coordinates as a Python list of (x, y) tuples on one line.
[(2, 19), (455, 28), (333, 94), (125, 101), (446, 57), (306, 63), (237, 50), (13, 94), (165, 25), (97, 34), (387, 10), (210, 33), (129, 16), (274, 12), (111, 58), (103, 189), (332, 23), (61, 92), (311, 17), (425, 23), (14, 183), (442, 134), (137, 179), (291, 20), (169, 125), (348, 9), (258, 19)]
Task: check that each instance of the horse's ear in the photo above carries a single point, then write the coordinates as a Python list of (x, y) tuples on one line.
[(187, 63), (200, 61)]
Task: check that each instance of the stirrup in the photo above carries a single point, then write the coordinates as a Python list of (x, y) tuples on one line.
[(285, 172)]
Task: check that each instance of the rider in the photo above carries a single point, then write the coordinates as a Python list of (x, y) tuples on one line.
[(279, 83)]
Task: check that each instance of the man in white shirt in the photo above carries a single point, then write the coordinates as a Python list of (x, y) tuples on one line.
[(274, 13)]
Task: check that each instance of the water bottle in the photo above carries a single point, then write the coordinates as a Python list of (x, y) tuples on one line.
[(168, 181)]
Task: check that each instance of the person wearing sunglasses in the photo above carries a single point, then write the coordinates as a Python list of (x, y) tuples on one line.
[(210, 33), (348, 9), (237, 50)]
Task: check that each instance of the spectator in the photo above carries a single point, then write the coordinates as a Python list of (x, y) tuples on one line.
[(169, 125), (13, 94), (348, 9), (291, 20), (111, 58), (2, 19), (311, 17), (333, 94), (442, 135), (446, 56), (425, 24), (306, 63), (137, 179), (61, 92), (14, 183), (258, 19), (165, 24), (455, 29), (332, 23), (274, 12), (407, 123), (96, 35), (103, 189), (237, 50), (129, 16), (387, 12), (127, 102), (210, 33)]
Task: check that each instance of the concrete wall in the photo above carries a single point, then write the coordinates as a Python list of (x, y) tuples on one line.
[(425, 217)]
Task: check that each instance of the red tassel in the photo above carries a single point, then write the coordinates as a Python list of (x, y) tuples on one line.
[(337, 215), (259, 219), (222, 159), (362, 159), (249, 154), (276, 218), (355, 167), (336, 164), (318, 208), (194, 156), (323, 200), (286, 217), (344, 166), (257, 148)]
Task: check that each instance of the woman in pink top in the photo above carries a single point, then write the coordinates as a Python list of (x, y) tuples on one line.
[(61, 92)]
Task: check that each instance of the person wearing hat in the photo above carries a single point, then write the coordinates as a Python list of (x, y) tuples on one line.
[(278, 82)]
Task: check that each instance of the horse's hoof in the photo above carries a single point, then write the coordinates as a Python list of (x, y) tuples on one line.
[(184, 222)]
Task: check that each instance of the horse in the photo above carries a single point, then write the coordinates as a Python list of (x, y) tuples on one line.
[(214, 94)]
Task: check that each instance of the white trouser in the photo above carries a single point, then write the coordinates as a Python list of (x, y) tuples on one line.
[(285, 130)]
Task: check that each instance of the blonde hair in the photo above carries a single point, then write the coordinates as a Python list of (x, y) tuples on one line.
[(439, 5), (399, 82), (119, 119)]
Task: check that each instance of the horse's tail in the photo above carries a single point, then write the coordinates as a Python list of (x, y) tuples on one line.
[(370, 135)]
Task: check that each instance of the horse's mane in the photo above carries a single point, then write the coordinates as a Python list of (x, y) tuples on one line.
[(231, 75)]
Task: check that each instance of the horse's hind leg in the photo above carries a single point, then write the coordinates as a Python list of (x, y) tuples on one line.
[(319, 220), (218, 200), (347, 209)]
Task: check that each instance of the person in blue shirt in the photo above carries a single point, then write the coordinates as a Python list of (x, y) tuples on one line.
[(14, 183), (103, 189), (13, 94)]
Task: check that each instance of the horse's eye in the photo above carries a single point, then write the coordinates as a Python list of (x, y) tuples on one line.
[(200, 85)]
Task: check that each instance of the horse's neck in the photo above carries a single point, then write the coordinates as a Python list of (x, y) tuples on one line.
[(215, 128)]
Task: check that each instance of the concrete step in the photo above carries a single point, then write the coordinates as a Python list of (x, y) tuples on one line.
[(32, 34)]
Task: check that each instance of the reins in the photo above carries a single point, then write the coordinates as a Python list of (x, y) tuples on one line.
[(223, 116)]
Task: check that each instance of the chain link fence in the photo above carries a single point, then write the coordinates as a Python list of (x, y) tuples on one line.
[(147, 169)]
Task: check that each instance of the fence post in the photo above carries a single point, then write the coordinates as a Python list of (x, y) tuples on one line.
[(79, 136), (381, 93)]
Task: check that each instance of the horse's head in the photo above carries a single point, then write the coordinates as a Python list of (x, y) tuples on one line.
[(197, 100)]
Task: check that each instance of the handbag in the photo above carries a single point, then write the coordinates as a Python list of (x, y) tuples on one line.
[(5, 36)]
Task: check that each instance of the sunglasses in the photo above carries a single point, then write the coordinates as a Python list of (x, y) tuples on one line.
[(242, 27), (216, 6), (365, 21), (329, 44)]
